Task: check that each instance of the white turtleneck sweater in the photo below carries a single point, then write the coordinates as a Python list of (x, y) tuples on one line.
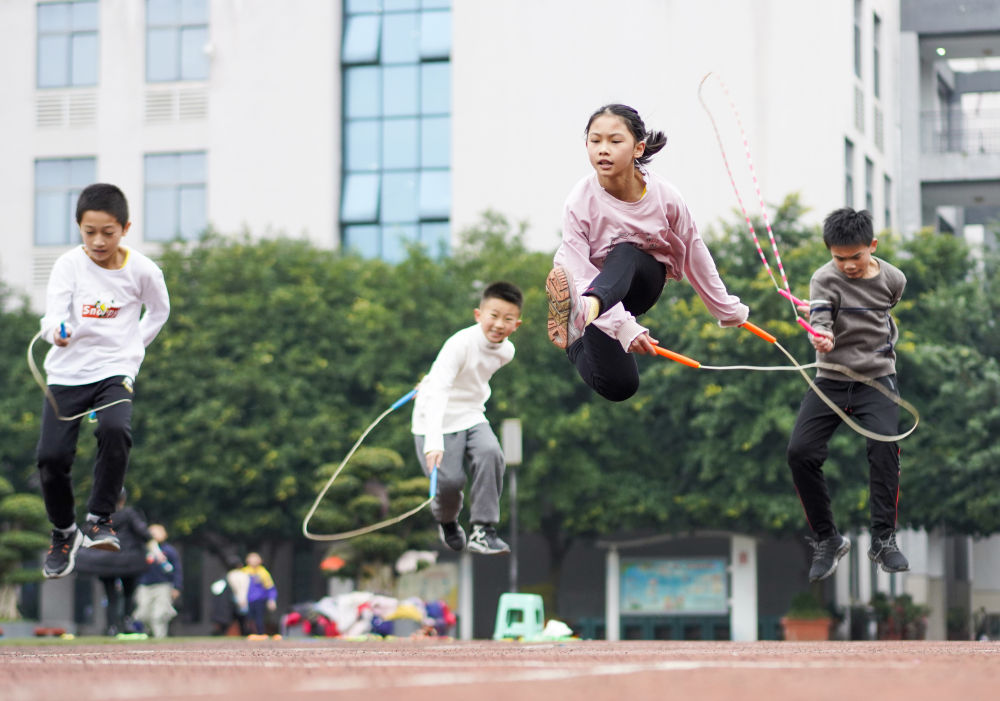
[(452, 397)]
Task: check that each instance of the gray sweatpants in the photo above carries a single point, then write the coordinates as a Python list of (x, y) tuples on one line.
[(478, 450)]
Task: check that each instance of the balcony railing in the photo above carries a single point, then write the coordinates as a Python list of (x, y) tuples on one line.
[(955, 131)]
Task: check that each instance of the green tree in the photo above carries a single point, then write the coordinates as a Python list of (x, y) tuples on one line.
[(23, 532)]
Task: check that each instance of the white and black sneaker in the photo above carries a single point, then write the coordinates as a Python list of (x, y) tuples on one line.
[(99, 535), (485, 541), (61, 557), (452, 535)]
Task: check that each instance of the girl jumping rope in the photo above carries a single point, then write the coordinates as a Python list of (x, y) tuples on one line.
[(625, 232)]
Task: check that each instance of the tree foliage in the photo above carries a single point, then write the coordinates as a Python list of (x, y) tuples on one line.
[(277, 354)]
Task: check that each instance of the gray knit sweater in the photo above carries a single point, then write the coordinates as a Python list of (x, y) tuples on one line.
[(856, 311)]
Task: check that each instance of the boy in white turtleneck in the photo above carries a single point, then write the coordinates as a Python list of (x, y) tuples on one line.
[(449, 426)]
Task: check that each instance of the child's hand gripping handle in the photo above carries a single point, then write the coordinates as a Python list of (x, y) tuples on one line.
[(677, 357), (758, 331)]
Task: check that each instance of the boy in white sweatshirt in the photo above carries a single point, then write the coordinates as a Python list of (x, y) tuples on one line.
[(449, 426), (93, 318)]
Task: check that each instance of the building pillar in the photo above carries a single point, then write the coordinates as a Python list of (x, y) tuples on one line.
[(743, 597), (612, 600)]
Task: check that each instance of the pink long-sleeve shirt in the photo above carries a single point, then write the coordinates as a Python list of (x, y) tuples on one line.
[(660, 224)]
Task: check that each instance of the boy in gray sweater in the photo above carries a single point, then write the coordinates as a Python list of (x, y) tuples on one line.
[(850, 300)]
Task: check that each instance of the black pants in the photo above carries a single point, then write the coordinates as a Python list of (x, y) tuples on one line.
[(120, 593), (807, 450), (636, 279), (57, 447)]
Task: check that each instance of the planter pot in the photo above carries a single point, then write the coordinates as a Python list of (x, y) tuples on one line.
[(806, 629)]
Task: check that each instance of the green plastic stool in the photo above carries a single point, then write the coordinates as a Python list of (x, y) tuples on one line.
[(519, 616)]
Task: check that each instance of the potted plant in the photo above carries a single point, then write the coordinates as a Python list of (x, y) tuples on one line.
[(807, 618), (900, 618)]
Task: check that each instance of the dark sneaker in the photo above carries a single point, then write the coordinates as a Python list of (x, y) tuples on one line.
[(485, 541), (567, 313), (885, 552), (452, 535), (99, 535), (61, 558), (826, 555)]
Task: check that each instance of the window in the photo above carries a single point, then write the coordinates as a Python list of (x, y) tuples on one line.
[(857, 38), (397, 126), (67, 44), (876, 61), (58, 182), (175, 196), (848, 173), (176, 35), (869, 185), (887, 200)]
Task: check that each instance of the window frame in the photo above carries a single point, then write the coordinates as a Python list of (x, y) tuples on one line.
[(69, 37), (70, 191), (177, 188)]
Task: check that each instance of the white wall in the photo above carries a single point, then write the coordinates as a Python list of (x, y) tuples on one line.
[(528, 74)]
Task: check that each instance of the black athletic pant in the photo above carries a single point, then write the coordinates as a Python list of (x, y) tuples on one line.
[(807, 450), (636, 279), (120, 593), (57, 447)]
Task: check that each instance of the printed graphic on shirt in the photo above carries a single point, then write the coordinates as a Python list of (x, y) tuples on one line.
[(103, 308)]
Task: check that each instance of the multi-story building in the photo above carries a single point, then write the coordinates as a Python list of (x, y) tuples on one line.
[(365, 124)]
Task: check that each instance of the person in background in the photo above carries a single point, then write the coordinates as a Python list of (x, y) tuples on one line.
[(262, 596), (159, 586)]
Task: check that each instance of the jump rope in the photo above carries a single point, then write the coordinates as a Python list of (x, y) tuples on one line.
[(785, 292)]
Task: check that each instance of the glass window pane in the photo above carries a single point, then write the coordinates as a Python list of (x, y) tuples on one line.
[(399, 90), (435, 142), (53, 17), (435, 88), (194, 60), (194, 11), (360, 199), (192, 216), (53, 61), (161, 169), (191, 167), (433, 4), (395, 239), (362, 92), (363, 240), (161, 214), (84, 52), (400, 38), (49, 174), (162, 12), (435, 194), (361, 39), (51, 214), (436, 237), (84, 16), (396, 5), (364, 6), (399, 197), (81, 172), (435, 34), (399, 143), (161, 54), (361, 145)]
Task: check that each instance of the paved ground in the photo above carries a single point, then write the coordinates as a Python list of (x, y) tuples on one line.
[(440, 670)]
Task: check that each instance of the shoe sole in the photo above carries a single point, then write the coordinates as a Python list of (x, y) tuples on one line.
[(473, 547), (557, 290), (111, 545), (841, 551), (77, 543), (874, 558)]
